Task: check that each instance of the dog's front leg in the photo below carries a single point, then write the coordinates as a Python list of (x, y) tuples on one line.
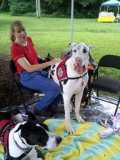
[(67, 105), (78, 98)]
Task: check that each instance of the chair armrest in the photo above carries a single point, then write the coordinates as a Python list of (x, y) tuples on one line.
[(41, 60)]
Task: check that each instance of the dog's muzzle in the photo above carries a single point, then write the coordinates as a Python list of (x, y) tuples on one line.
[(53, 142), (78, 67)]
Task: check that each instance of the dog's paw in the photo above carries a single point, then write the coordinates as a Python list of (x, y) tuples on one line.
[(68, 127), (80, 119)]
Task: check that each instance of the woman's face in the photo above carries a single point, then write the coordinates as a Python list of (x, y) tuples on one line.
[(19, 34)]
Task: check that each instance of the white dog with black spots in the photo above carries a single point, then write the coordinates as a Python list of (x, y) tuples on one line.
[(72, 76)]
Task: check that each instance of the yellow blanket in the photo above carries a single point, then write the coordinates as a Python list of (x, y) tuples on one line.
[(85, 144)]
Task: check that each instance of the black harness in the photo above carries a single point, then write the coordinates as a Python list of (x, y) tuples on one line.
[(21, 157)]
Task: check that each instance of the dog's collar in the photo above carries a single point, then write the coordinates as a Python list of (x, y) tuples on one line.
[(81, 76), (48, 132)]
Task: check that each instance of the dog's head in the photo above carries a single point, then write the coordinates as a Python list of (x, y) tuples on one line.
[(80, 54), (37, 134)]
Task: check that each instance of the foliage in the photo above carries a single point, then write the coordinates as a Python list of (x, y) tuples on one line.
[(83, 8), (20, 7), (55, 6)]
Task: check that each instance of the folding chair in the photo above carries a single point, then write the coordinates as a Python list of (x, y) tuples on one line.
[(108, 83), (21, 88)]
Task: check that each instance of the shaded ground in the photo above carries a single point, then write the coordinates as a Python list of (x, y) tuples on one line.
[(9, 93)]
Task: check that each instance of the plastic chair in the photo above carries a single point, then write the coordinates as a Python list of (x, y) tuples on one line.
[(108, 83)]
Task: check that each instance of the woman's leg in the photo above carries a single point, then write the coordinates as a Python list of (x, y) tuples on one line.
[(42, 84)]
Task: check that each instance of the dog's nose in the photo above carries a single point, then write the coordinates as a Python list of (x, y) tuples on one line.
[(78, 60), (58, 140)]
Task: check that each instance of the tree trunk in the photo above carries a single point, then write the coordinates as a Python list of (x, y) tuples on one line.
[(9, 92), (3, 4)]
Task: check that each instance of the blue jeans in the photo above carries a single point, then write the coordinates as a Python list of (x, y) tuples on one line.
[(40, 82)]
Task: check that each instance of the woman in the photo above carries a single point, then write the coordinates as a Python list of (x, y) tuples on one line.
[(31, 72)]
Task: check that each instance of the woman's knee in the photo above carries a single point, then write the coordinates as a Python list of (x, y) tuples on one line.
[(56, 90)]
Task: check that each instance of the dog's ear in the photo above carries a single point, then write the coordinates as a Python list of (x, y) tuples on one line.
[(44, 126), (20, 128), (31, 117), (29, 124), (72, 44), (91, 46)]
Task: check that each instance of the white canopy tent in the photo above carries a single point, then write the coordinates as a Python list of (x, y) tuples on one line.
[(38, 14), (111, 3)]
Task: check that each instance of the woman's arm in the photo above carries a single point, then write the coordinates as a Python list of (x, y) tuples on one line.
[(23, 62)]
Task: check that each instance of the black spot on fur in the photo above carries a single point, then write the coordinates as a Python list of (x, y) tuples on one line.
[(34, 133)]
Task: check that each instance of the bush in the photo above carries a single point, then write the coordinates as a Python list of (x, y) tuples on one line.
[(20, 7)]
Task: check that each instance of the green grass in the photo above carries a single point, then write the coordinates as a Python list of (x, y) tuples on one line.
[(53, 34)]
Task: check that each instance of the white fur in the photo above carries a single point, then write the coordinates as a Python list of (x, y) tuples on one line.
[(15, 151), (76, 86)]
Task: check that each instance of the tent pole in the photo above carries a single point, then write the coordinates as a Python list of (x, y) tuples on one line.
[(107, 9), (38, 8), (72, 21)]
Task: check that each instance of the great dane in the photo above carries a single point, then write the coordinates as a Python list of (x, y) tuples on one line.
[(72, 76)]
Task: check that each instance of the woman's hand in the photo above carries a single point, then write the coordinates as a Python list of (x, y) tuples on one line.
[(54, 61)]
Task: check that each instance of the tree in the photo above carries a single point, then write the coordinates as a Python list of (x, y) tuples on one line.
[(83, 8), (3, 4), (21, 6)]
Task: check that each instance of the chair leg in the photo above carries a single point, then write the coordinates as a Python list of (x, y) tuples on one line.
[(22, 96), (97, 93), (89, 95), (117, 106)]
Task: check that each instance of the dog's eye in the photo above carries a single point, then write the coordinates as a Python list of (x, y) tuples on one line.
[(84, 50), (75, 50)]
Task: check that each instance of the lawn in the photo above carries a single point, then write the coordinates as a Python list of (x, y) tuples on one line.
[(53, 34)]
